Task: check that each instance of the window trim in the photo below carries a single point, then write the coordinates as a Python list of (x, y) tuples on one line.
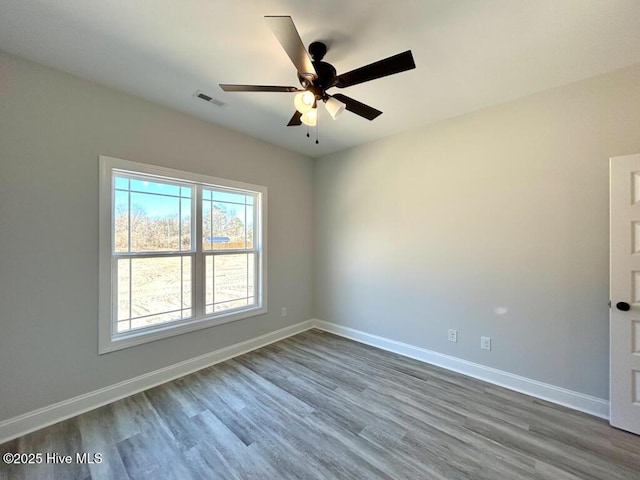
[(107, 341)]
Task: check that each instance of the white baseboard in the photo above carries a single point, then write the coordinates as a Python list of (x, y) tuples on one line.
[(37, 419), (562, 396)]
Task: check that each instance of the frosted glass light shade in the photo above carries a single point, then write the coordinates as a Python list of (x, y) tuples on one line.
[(310, 117), (334, 107), (304, 101)]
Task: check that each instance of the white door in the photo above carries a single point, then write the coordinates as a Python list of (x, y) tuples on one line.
[(624, 317)]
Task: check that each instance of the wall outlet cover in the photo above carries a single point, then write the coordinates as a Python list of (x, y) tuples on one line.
[(452, 335)]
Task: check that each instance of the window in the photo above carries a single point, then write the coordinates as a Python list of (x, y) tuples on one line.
[(178, 252)]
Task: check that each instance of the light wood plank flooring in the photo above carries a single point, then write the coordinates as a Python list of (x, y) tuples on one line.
[(317, 406)]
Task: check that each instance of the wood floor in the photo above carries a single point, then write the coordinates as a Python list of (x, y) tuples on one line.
[(317, 406)]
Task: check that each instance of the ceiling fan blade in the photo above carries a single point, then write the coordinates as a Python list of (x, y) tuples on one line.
[(388, 66), (295, 120), (357, 107), (287, 34), (257, 88)]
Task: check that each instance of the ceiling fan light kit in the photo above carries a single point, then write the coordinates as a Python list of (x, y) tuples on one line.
[(304, 101), (334, 106), (310, 117), (316, 76)]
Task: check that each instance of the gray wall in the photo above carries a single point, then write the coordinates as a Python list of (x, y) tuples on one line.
[(52, 128), (494, 223)]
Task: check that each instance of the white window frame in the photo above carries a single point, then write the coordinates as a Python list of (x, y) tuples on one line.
[(108, 338)]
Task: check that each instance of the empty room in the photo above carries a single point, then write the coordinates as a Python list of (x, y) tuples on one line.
[(320, 240)]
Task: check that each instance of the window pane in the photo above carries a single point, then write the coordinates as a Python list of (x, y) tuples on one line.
[(249, 225), (185, 232), (243, 302), (121, 221), (227, 229), (230, 197), (121, 183), (251, 271), (154, 223), (158, 188), (224, 220), (208, 288), (160, 291), (231, 279), (207, 221), (151, 216), (124, 290)]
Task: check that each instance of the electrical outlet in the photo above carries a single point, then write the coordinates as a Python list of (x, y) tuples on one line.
[(453, 335), (485, 343), (284, 311)]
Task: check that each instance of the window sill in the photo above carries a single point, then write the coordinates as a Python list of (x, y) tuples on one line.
[(130, 339)]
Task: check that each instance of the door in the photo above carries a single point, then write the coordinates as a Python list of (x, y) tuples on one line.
[(624, 317)]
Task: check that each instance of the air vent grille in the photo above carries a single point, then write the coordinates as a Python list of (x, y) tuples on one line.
[(209, 99)]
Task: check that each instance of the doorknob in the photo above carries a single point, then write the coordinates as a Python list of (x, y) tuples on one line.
[(623, 306)]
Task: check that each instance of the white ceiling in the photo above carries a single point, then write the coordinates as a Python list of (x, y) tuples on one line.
[(470, 54)]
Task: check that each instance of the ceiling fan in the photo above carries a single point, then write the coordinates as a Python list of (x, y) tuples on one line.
[(316, 76)]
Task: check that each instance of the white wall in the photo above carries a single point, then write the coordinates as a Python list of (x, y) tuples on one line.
[(52, 128), (494, 223)]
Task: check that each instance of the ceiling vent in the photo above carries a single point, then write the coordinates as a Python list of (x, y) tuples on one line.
[(208, 98)]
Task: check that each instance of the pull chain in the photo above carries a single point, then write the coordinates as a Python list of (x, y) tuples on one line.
[(317, 134)]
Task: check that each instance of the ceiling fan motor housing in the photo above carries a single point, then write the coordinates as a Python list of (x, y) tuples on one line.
[(317, 50), (325, 71)]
